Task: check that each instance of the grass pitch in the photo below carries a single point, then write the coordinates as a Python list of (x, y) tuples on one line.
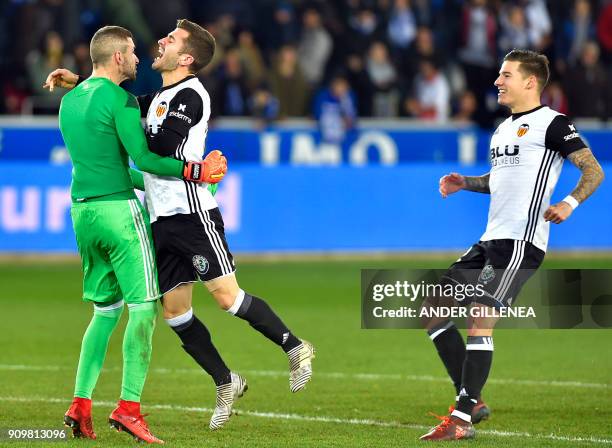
[(370, 387)]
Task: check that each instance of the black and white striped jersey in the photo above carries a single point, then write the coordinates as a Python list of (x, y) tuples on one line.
[(526, 153), (176, 126)]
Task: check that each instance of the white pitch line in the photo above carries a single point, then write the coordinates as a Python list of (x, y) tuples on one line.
[(336, 375), (428, 378), (323, 419)]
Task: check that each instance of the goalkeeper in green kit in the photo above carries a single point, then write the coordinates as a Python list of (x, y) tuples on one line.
[(100, 124)]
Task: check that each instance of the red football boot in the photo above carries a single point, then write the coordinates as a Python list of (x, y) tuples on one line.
[(451, 428), (78, 417), (127, 417)]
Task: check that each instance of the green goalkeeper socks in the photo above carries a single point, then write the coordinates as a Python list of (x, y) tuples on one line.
[(94, 346), (137, 345)]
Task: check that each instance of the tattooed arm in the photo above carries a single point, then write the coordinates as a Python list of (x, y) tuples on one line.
[(479, 184), (453, 182), (591, 178), (592, 174)]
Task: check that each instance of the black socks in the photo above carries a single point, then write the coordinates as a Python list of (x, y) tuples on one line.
[(478, 360), (198, 343), (451, 348), (261, 317)]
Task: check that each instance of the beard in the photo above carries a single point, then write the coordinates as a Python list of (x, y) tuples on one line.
[(129, 72), (165, 65)]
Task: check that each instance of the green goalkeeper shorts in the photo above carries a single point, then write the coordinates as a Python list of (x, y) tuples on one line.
[(114, 241)]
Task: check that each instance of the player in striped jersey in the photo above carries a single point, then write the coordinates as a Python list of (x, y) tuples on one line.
[(188, 227), (179, 113), (527, 152)]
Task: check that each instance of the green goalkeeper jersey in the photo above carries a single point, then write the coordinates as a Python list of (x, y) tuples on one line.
[(100, 123)]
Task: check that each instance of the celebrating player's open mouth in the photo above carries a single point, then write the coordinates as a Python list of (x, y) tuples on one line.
[(161, 53), (169, 51)]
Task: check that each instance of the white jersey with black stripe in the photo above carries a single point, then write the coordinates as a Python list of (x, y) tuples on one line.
[(184, 106), (526, 153)]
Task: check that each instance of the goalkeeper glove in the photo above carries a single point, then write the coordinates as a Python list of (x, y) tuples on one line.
[(218, 166), (211, 170)]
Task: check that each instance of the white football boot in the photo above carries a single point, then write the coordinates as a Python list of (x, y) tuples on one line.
[(227, 394), (300, 365)]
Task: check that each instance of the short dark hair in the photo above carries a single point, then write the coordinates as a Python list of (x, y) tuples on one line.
[(200, 44), (106, 41), (531, 63)]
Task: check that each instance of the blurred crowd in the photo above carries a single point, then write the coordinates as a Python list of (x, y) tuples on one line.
[(334, 60)]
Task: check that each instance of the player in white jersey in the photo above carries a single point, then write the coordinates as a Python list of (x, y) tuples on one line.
[(187, 226), (527, 152)]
